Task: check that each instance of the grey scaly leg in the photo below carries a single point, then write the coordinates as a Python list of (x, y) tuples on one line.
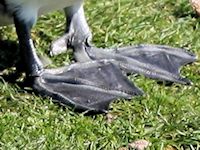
[(77, 31), (32, 63)]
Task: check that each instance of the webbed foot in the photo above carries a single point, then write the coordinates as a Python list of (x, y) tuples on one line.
[(98, 80), (88, 86), (153, 61)]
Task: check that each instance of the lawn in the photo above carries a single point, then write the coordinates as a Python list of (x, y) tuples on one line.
[(167, 116)]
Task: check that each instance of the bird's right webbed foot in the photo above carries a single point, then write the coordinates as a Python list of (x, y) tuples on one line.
[(89, 86)]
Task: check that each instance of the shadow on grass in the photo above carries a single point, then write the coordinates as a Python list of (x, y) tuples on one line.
[(182, 11), (8, 54), (9, 57)]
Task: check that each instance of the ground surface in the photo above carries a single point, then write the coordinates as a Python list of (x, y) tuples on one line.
[(166, 115)]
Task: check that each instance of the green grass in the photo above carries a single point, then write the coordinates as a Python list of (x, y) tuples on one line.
[(166, 115)]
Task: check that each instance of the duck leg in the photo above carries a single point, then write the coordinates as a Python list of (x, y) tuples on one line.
[(32, 64), (77, 29), (154, 61), (84, 86)]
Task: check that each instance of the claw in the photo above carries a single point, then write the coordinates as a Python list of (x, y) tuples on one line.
[(60, 45), (153, 61), (88, 86)]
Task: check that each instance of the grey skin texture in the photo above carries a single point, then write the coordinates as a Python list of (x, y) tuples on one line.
[(98, 77)]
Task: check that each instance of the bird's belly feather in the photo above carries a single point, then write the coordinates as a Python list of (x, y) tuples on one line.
[(52, 5), (41, 6)]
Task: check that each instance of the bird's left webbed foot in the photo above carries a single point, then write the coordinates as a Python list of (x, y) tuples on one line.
[(154, 61)]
